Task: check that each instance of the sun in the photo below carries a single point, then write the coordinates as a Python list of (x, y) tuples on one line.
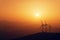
[(37, 14)]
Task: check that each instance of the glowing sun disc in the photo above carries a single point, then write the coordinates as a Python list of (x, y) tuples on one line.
[(36, 14)]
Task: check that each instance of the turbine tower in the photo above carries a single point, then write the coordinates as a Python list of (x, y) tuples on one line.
[(42, 26), (45, 27)]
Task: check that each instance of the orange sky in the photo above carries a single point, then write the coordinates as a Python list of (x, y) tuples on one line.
[(18, 17), (24, 10)]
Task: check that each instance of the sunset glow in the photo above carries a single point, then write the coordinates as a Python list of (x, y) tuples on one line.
[(37, 14), (28, 10), (25, 16)]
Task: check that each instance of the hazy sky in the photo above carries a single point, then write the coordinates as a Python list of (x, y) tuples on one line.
[(25, 10), (19, 8), (21, 16)]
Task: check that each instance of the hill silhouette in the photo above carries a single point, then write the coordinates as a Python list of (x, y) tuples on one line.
[(41, 36), (8, 31)]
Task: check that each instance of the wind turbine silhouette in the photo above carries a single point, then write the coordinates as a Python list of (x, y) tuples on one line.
[(45, 27)]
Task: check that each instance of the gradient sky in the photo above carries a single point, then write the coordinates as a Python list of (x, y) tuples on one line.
[(20, 8), (18, 17), (24, 11)]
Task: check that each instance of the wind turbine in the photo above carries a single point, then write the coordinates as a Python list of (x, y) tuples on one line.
[(45, 27)]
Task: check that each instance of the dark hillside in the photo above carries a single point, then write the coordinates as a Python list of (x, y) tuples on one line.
[(41, 36)]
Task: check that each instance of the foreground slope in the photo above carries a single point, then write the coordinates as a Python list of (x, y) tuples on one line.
[(41, 36)]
